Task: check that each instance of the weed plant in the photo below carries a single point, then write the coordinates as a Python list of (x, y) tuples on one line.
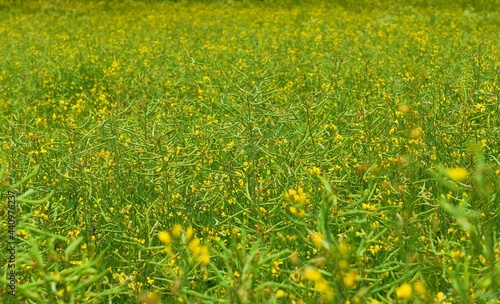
[(251, 152)]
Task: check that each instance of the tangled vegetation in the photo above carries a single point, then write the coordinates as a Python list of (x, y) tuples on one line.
[(251, 152)]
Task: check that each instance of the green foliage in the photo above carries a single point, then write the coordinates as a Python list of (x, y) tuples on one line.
[(252, 151)]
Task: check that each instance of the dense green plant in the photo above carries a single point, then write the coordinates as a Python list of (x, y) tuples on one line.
[(252, 151)]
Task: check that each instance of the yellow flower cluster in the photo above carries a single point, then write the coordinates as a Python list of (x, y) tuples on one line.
[(297, 199), (320, 284), (141, 117), (404, 291), (199, 252), (457, 174)]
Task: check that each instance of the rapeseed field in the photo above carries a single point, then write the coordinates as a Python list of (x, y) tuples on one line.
[(250, 151)]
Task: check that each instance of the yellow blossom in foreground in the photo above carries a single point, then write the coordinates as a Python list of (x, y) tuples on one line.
[(350, 279), (296, 212), (177, 230), (420, 288), (440, 297), (320, 284), (323, 287), (312, 274), (203, 255), (457, 174), (194, 246), (290, 194), (164, 237), (404, 108), (456, 254), (404, 291), (318, 239), (344, 248), (189, 233), (280, 293), (416, 133)]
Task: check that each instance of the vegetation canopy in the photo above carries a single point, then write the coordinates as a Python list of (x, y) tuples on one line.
[(250, 151)]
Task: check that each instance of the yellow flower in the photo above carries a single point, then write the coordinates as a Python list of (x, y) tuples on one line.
[(204, 255), (189, 233), (165, 237), (290, 194), (416, 133), (276, 267), (323, 287), (440, 296), (420, 288), (318, 239), (457, 174), (194, 246), (280, 293), (177, 230), (344, 248), (315, 171), (404, 108), (312, 274), (350, 279), (168, 250), (456, 254), (404, 291)]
